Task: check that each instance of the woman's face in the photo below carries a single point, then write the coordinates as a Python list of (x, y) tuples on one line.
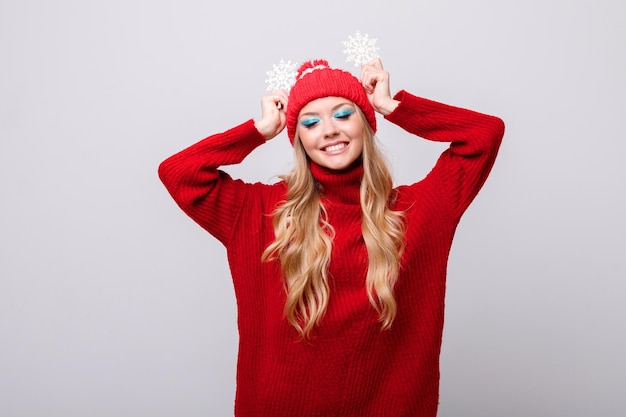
[(331, 132)]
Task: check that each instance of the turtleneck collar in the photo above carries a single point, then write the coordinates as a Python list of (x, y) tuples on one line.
[(339, 187)]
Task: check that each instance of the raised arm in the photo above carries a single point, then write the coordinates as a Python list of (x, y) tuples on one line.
[(474, 142), (475, 137), (206, 194)]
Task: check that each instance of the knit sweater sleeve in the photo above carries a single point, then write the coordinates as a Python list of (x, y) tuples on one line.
[(474, 138), (206, 194)]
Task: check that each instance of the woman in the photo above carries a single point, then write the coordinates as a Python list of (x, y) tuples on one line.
[(339, 277)]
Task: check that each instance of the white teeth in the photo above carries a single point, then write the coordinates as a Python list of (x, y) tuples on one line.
[(335, 147)]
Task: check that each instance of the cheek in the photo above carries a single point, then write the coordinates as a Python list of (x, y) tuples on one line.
[(356, 133), (359, 146), (355, 128), (305, 139)]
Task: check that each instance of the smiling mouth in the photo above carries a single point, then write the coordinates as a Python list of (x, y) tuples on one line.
[(335, 147)]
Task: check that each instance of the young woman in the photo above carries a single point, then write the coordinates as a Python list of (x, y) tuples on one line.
[(339, 277)]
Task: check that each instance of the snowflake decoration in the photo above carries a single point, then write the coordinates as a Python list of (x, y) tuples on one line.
[(360, 49), (282, 76)]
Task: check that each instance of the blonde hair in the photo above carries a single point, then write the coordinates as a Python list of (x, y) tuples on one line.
[(303, 238)]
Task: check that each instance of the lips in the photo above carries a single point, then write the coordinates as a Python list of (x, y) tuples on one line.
[(335, 147)]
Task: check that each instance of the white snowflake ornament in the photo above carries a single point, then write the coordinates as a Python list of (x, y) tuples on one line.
[(360, 49), (282, 76)]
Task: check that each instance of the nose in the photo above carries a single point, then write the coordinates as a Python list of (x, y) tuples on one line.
[(330, 128)]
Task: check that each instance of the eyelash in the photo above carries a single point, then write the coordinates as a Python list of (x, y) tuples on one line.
[(341, 115), (308, 123)]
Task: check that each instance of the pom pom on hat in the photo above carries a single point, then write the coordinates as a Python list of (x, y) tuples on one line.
[(316, 79)]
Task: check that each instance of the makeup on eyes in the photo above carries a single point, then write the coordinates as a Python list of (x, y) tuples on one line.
[(309, 121), (341, 113)]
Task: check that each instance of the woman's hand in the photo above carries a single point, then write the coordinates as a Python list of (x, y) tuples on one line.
[(273, 118), (375, 81)]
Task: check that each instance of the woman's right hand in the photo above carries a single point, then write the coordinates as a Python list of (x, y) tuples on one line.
[(273, 117)]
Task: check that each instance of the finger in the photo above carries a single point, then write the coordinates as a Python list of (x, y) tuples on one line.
[(368, 84), (281, 98), (369, 81), (279, 93), (375, 63), (369, 70), (366, 76), (276, 99)]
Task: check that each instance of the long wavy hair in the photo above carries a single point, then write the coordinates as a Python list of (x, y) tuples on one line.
[(304, 237)]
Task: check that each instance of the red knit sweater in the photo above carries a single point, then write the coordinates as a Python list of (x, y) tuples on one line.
[(349, 368)]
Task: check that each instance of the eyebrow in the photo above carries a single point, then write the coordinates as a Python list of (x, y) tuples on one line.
[(312, 113)]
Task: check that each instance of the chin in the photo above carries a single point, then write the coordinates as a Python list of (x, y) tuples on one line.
[(339, 167)]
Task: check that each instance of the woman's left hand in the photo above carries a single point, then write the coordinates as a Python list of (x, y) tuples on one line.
[(375, 81)]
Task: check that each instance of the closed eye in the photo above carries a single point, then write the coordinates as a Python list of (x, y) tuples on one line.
[(343, 113), (309, 122)]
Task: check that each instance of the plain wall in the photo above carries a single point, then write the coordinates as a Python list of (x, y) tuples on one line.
[(114, 303)]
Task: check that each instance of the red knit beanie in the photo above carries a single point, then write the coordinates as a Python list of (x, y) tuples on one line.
[(316, 79)]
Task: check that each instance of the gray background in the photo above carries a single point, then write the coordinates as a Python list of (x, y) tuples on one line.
[(114, 303)]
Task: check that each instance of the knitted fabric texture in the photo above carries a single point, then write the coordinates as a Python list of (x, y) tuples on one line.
[(349, 367), (316, 79)]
